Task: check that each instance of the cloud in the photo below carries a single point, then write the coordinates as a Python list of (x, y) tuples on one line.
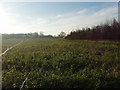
[(12, 6), (82, 11), (78, 21), (59, 16), (62, 22), (106, 11), (39, 21)]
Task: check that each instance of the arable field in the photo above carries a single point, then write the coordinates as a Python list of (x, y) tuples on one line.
[(7, 43), (60, 63)]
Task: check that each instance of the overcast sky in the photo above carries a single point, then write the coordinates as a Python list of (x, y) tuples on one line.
[(52, 18)]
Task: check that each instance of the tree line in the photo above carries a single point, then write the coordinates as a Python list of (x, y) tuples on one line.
[(32, 35), (26, 35), (107, 31)]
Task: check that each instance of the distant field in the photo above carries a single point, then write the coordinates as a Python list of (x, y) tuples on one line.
[(55, 63), (6, 43)]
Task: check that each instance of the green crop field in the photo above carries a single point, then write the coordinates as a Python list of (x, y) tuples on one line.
[(60, 63), (6, 43)]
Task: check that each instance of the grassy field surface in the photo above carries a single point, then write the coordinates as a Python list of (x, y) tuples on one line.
[(60, 63), (7, 43)]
